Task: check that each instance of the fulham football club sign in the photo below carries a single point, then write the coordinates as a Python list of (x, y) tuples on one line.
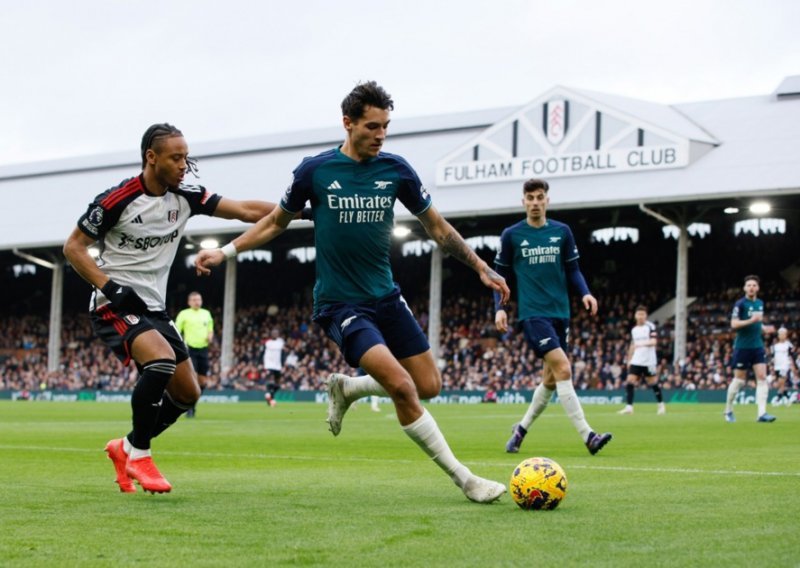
[(572, 133)]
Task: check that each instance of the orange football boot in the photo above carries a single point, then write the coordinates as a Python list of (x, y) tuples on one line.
[(146, 473), (117, 455)]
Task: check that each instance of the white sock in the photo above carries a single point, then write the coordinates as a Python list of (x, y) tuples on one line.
[(733, 389), (359, 387), (762, 392), (126, 446), (572, 406), (541, 398), (425, 432), (136, 453)]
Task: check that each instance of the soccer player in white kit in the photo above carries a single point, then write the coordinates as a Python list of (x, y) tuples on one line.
[(642, 360), (783, 362), (138, 226), (273, 364)]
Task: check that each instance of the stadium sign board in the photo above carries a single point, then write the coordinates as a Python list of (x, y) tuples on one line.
[(563, 133)]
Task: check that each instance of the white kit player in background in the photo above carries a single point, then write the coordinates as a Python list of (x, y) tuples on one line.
[(786, 375), (642, 360), (273, 364)]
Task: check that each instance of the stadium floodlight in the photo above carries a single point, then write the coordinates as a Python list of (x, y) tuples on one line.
[(401, 232), (189, 246), (760, 207), (209, 244), (730, 210)]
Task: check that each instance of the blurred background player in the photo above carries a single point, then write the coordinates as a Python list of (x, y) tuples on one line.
[(642, 360), (783, 362), (196, 326), (543, 257), (353, 189), (747, 320), (138, 225), (273, 364)]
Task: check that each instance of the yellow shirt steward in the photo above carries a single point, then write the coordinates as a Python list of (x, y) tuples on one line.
[(195, 326)]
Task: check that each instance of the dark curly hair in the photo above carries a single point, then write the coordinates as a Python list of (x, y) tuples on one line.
[(364, 95)]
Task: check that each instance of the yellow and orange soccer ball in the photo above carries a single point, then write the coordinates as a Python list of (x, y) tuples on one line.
[(538, 484)]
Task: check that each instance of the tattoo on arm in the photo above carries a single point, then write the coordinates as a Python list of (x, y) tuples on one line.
[(453, 244), (492, 274)]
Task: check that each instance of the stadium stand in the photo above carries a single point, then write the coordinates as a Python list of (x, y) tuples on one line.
[(473, 356)]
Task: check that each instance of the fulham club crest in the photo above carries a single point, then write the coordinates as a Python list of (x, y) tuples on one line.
[(556, 120), (172, 215)]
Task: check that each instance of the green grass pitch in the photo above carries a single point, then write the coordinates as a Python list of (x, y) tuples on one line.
[(259, 486)]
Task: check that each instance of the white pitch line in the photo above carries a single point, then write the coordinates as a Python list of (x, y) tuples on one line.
[(678, 470)]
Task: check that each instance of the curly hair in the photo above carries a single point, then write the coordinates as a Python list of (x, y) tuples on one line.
[(364, 95)]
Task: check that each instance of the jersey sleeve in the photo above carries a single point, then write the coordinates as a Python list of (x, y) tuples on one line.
[(569, 250), (201, 200), (300, 190), (736, 313), (411, 192), (104, 212), (505, 256)]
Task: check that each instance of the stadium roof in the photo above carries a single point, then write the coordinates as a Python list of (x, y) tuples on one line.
[(727, 149)]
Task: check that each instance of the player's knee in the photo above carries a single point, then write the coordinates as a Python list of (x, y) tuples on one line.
[(191, 395), (430, 387), (562, 372), (404, 392), (184, 387)]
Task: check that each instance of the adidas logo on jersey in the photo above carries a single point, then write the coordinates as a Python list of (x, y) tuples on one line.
[(137, 220), (524, 243), (335, 185)]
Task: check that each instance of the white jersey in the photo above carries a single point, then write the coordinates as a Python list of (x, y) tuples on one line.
[(139, 233), (273, 349), (782, 353), (644, 356)]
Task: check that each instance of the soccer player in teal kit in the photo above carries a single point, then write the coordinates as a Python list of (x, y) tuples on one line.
[(542, 255), (352, 190), (748, 349)]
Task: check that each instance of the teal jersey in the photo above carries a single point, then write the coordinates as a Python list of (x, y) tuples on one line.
[(749, 336), (352, 206), (538, 258)]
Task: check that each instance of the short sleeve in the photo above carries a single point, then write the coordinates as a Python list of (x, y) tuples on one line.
[(201, 200), (505, 256), (300, 189), (569, 249), (412, 194)]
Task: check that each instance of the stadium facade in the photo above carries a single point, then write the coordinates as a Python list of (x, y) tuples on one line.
[(672, 164)]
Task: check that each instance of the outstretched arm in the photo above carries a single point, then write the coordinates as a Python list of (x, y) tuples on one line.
[(453, 244), (266, 229), (247, 211)]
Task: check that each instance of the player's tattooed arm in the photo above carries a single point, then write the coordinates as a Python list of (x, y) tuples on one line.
[(453, 244)]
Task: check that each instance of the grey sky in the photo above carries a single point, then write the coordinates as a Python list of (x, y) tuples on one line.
[(89, 76)]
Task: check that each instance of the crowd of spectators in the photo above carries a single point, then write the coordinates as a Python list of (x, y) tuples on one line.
[(474, 356)]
